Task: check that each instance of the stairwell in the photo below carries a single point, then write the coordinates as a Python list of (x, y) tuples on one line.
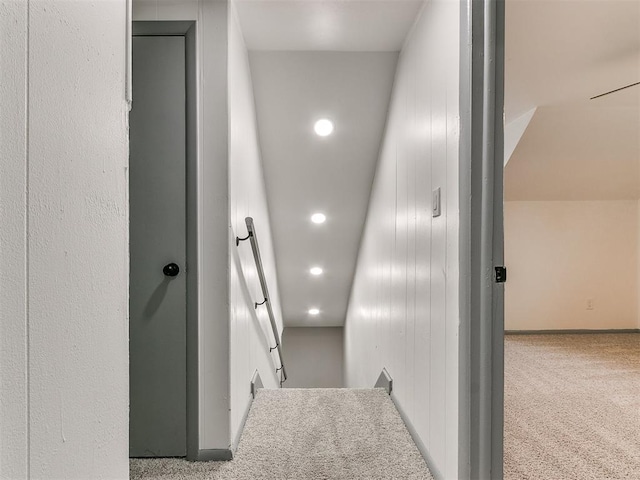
[(322, 433)]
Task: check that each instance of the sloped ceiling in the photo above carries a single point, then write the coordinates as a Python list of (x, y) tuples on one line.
[(312, 59), (565, 52), (305, 173), (558, 56), (578, 153)]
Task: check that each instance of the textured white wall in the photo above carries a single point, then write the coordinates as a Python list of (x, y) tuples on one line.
[(64, 253), (404, 313), (314, 357), (251, 334), (560, 254), (213, 206), (14, 417)]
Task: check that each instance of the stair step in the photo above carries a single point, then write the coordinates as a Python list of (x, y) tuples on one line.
[(323, 433)]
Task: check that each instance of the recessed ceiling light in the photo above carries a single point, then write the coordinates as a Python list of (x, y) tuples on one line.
[(318, 218), (314, 311), (323, 127), (316, 271)]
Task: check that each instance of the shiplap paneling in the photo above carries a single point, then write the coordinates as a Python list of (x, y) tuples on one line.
[(403, 312), (251, 334), (64, 241)]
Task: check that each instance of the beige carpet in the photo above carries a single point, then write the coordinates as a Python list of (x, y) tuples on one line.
[(310, 434), (572, 407)]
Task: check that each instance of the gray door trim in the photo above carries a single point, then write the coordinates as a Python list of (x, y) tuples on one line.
[(497, 33), (187, 29), (482, 240)]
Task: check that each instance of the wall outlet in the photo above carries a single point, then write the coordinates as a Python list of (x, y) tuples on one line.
[(590, 304)]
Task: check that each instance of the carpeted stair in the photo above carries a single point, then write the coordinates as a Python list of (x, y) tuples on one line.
[(309, 434)]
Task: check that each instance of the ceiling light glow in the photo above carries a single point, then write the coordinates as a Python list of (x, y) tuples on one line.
[(314, 311), (316, 271), (323, 127), (318, 218)]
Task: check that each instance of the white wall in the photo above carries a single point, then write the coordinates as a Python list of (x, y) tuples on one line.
[(213, 206), (314, 357), (64, 241), (404, 312), (14, 417), (561, 254), (251, 334)]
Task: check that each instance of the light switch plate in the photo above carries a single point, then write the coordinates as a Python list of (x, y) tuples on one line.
[(436, 203)]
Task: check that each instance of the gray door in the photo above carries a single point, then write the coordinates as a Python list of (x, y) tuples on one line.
[(157, 304)]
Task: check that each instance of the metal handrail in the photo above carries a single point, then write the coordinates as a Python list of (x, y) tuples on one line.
[(263, 283)]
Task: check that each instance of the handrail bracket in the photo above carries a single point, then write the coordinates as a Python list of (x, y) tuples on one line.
[(238, 239)]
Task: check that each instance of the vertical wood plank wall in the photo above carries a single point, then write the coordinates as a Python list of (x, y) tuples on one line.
[(403, 313)]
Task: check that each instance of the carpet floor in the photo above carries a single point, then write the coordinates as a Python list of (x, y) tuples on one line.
[(572, 407), (309, 434)]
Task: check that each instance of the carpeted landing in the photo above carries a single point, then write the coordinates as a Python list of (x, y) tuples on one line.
[(572, 407), (309, 434)]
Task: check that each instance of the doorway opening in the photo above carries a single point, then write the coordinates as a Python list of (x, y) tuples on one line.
[(572, 185)]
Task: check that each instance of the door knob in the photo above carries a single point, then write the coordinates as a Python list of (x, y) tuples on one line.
[(171, 270)]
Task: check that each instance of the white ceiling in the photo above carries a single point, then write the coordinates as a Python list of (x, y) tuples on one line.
[(558, 55), (321, 25), (312, 59), (579, 153), (305, 173), (563, 52)]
